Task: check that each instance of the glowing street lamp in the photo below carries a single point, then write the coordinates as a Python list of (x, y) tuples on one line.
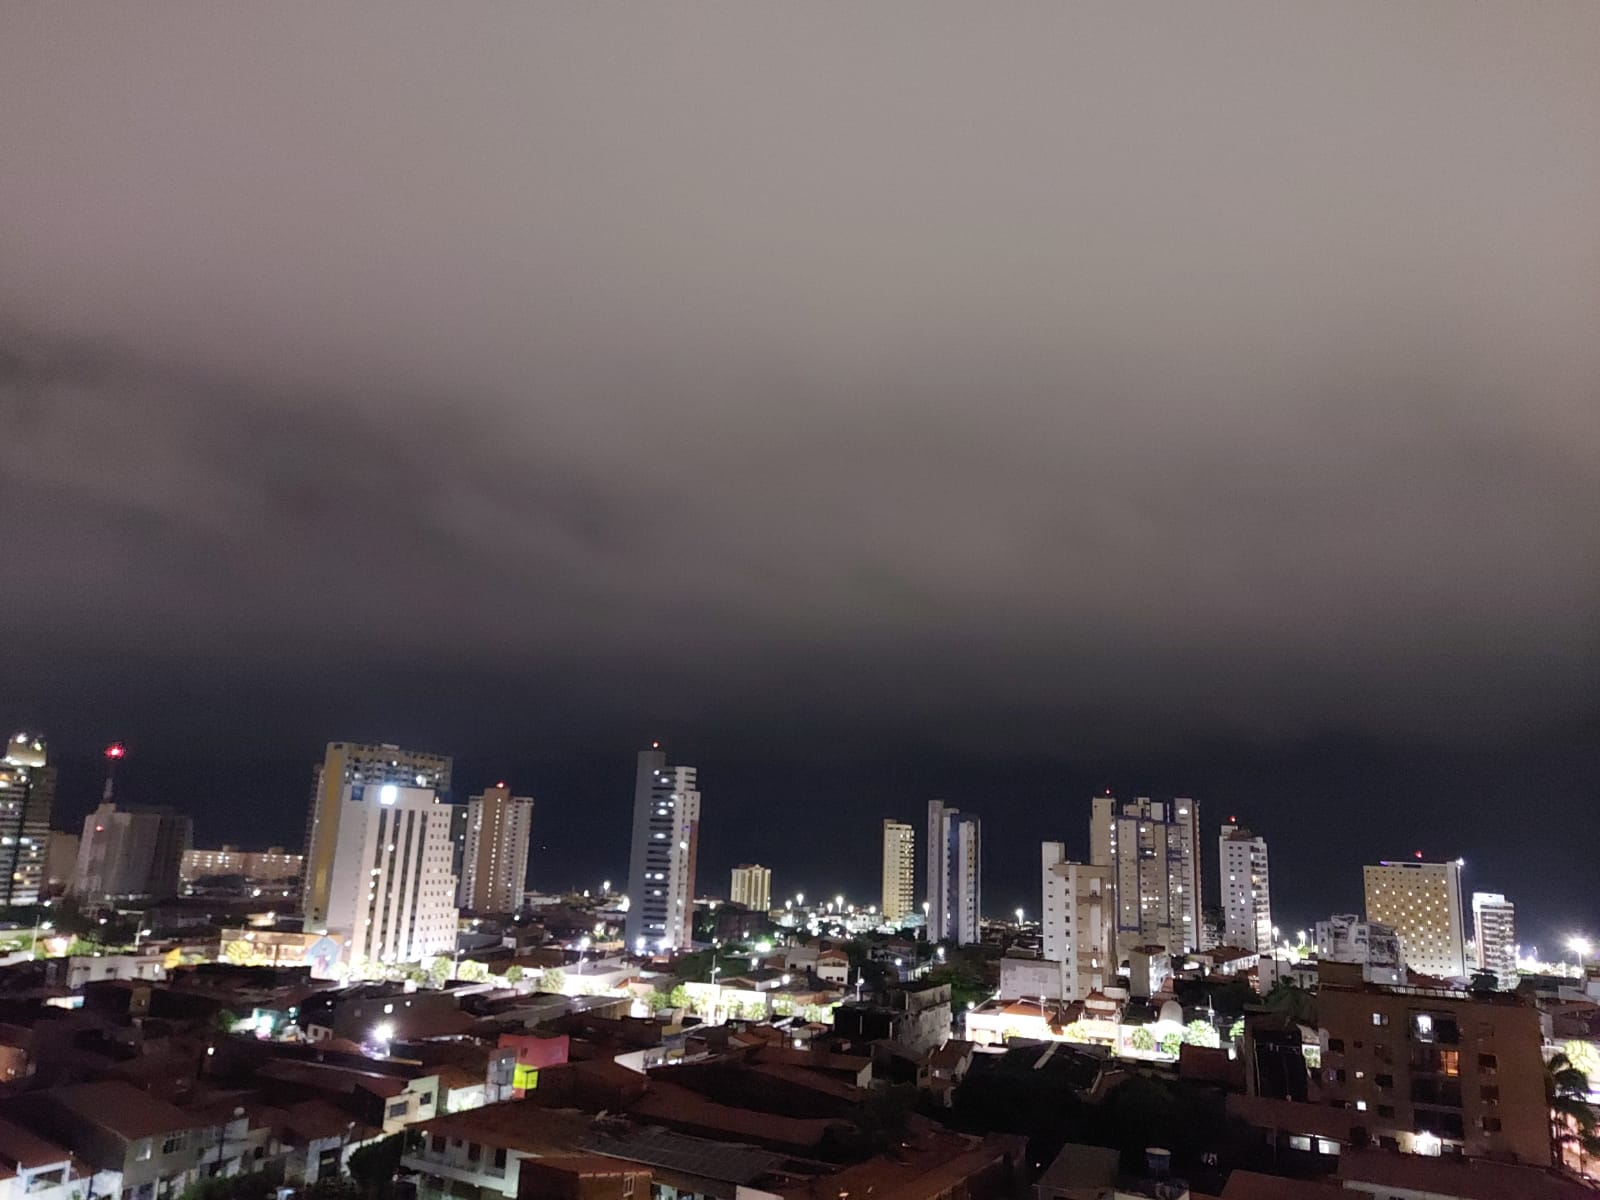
[(1019, 916), (1582, 947)]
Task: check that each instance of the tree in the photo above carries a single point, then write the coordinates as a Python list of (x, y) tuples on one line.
[(1292, 1002), (439, 971), (553, 979), (658, 1002), (514, 974), (1142, 1039), (678, 997), (1572, 1120), (1171, 1043), (256, 1185), (1236, 1030), (374, 1167), (473, 971), (1201, 1033)]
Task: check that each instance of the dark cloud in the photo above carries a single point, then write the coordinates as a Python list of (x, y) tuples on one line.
[(957, 388)]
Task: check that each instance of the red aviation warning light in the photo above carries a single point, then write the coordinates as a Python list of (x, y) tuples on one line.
[(116, 750)]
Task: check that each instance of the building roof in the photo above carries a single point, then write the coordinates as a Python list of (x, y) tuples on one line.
[(519, 1125), (330, 1078), (1080, 1166), (1251, 1185), (726, 1162), (317, 1120), (23, 1149), (1294, 1116), (1466, 1178), (124, 1109), (672, 1105)]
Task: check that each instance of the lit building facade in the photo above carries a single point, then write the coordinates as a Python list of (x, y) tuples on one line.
[(130, 852), (751, 886), (494, 859), (899, 871), (393, 897), (272, 865), (1494, 928), (27, 794), (345, 764), (1152, 848), (1076, 922), (1246, 890), (661, 866), (955, 875), (1422, 902)]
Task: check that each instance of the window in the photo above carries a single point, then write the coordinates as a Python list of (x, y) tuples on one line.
[(175, 1142), (1379, 1018), (1488, 1062), (1489, 1093), (500, 1157), (398, 1109), (1491, 1124), (438, 1144), (1298, 1141), (474, 1152), (142, 1154), (425, 1099), (1335, 1045), (1386, 1110), (1384, 1081)]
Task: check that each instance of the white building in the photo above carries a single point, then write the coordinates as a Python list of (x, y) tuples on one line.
[(1152, 848), (1422, 902), (1346, 938), (494, 861), (751, 886), (955, 875), (393, 897), (344, 764), (899, 871), (1494, 926), (1246, 893), (1076, 914), (666, 836)]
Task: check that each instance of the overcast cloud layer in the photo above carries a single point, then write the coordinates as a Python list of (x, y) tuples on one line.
[(993, 371)]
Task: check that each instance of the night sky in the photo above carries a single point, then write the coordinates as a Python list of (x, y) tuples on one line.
[(991, 403)]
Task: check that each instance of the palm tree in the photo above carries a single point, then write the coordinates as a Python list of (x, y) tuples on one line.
[(1572, 1119)]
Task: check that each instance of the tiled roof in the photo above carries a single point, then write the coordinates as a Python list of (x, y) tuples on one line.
[(124, 1109)]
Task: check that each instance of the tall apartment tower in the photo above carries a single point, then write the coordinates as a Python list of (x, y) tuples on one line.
[(494, 863), (345, 764), (27, 794), (393, 897), (131, 852), (751, 886), (1422, 902), (1494, 925), (666, 837), (1246, 892), (1076, 920), (899, 871), (1152, 848), (955, 875)]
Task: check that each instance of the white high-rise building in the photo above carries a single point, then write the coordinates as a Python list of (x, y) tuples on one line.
[(27, 794), (1152, 848), (343, 764), (1422, 902), (955, 875), (1246, 894), (1076, 921), (666, 837), (1346, 938), (494, 860), (899, 871), (1494, 925), (751, 886), (393, 897)]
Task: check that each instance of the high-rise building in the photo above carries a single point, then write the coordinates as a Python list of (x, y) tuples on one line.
[(1246, 894), (955, 875), (751, 886), (393, 897), (899, 871), (272, 865), (1076, 921), (131, 852), (27, 793), (344, 764), (1422, 901), (1152, 848), (1494, 926), (494, 863), (666, 838)]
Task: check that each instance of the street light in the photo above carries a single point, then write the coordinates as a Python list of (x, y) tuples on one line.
[(1582, 947), (1019, 916)]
